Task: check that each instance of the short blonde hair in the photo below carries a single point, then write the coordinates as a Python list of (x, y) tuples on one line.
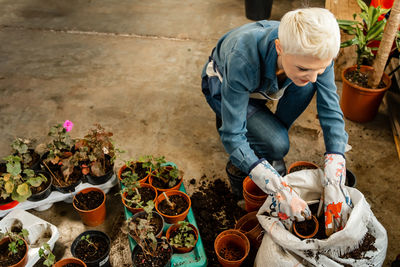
[(310, 32)]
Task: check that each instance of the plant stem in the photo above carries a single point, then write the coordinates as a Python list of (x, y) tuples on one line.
[(52, 174), (172, 205)]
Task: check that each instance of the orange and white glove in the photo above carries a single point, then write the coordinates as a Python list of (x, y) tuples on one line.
[(286, 203), (337, 201)]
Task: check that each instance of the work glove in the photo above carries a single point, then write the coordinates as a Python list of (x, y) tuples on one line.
[(337, 202), (285, 202)]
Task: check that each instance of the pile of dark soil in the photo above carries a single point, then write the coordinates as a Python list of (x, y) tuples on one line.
[(216, 210), (366, 245)]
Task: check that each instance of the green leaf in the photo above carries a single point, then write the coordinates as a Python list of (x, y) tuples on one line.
[(376, 31), (362, 5)]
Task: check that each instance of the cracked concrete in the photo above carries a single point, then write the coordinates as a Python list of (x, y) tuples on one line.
[(134, 67)]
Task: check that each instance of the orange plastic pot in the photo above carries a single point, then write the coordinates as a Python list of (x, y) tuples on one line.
[(175, 227), (24, 260), (136, 210), (121, 170), (249, 225), (307, 164), (253, 196), (227, 240), (160, 190), (358, 103), (301, 235), (95, 216), (175, 218), (66, 261)]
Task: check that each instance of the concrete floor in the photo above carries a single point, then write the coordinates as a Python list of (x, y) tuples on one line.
[(134, 67)]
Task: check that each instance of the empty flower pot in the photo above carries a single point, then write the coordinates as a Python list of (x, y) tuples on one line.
[(306, 229), (95, 216), (231, 247), (249, 225), (301, 165), (253, 196)]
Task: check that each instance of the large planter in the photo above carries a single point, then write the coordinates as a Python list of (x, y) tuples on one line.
[(66, 261), (24, 259), (231, 247), (103, 257), (179, 215), (358, 103), (94, 216)]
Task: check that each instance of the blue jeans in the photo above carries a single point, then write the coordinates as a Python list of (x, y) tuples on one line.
[(267, 133)]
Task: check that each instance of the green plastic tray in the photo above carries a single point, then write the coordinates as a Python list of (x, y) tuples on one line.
[(196, 258)]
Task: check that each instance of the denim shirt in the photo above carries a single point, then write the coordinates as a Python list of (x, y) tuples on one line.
[(246, 58)]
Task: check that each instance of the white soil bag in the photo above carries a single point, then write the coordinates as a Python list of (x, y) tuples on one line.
[(282, 248)]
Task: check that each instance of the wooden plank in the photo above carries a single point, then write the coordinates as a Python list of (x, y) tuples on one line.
[(344, 9)]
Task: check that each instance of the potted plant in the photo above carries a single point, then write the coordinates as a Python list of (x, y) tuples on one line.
[(182, 236), (231, 247), (14, 248), (47, 255), (365, 86), (22, 148), (17, 183), (157, 252), (173, 205), (139, 169), (164, 176), (135, 196), (96, 153), (59, 160), (91, 205), (92, 247), (146, 221), (43, 190)]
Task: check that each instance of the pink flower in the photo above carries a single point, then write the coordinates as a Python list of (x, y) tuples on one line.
[(68, 125)]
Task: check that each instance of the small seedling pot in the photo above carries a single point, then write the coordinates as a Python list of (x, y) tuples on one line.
[(302, 235), (136, 210), (160, 190), (122, 169), (64, 262), (155, 214), (172, 219), (304, 164), (103, 260), (44, 193), (96, 180), (174, 228), (95, 216), (227, 240), (253, 196), (249, 225), (138, 249), (24, 259)]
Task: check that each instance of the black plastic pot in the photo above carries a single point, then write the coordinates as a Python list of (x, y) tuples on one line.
[(351, 180), (66, 189), (104, 260), (96, 180), (236, 179), (258, 9), (45, 193), (138, 249), (155, 214)]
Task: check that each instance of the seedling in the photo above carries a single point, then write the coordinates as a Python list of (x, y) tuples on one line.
[(46, 253), (86, 238), (184, 236), (21, 148), (165, 173), (16, 240)]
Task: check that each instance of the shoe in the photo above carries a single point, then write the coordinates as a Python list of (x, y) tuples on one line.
[(279, 166)]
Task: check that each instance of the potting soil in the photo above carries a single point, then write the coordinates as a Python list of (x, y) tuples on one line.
[(89, 200), (9, 259), (366, 245), (215, 209), (91, 252), (180, 205)]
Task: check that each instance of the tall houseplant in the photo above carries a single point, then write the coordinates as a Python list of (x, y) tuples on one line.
[(361, 95)]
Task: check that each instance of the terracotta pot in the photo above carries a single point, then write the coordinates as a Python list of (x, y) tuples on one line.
[(253, 196), (249, 225), (95, 216), (66, 261), (307, 164), (24, 260), (121, 170), (160, 190), (175, 227), (310, 235), (228, 239), (175, 218), (358, 103), (136, 210)]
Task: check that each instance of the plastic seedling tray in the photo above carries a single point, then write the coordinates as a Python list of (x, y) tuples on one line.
[(195, 258), (56, 196), (38, 229)]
